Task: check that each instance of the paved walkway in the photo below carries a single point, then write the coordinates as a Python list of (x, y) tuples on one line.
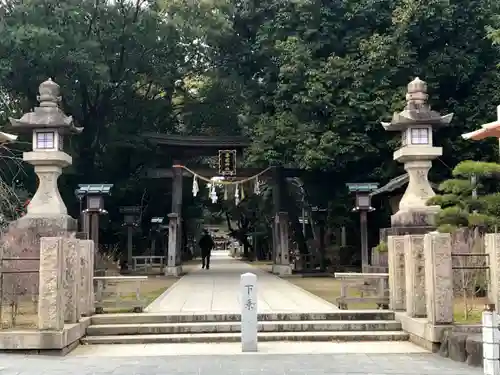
[(217, 291), (224, 364)]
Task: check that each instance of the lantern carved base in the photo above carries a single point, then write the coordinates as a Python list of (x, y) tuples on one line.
[(47, 225), (415, 217), (48, 167)]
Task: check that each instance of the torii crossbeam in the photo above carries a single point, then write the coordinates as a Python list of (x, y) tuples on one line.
[(491, 129)]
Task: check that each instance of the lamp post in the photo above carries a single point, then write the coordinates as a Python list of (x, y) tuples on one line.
[(80, 195), (156, 223), (94, 198), (130, 220), (300, 185), (321, 212), (363, 205)]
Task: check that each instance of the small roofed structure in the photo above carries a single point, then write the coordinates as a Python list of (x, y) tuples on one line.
[(491, 129)]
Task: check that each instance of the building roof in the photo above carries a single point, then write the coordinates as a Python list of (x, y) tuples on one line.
[(396, 183), (392, 185), (85, 189), (196, 141), (363, 187)]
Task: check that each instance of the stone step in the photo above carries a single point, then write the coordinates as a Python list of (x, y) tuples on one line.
[(236, 337), (151, 318), (225, 327)]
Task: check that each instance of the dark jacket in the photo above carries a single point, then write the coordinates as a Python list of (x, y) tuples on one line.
[(206, 243)]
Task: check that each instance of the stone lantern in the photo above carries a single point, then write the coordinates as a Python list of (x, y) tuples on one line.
[(416, 124), (48, 125)]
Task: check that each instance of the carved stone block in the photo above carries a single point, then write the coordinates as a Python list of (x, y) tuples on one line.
[(397, 281), (86, 255), (438, 278), (71, 279), (51, 295), (415, 276)]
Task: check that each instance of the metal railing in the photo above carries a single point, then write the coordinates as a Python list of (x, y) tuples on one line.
[(147, 262), (368, 287), (19, 280), (117, 293)]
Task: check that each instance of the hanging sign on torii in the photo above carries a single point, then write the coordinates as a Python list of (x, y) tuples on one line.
[(227, 162)]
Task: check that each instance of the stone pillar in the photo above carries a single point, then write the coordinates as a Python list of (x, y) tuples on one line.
[(492, 242), (86, 251), (86, 224), (174, 267), (174, 225), (281, 264), (274, 232), (397, 280), (415, 276), (130, 246), (438, 278), (71, 282), (51, 296)]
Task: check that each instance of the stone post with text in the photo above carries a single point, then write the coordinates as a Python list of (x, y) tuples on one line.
[(397, 280), (415, 276), (86, 252), (438, 278), (249, 317), (72, 277), (50, 298)]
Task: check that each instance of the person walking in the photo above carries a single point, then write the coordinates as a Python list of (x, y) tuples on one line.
[(206, 245)]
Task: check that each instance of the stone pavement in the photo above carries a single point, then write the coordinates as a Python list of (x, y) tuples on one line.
[(248, 364), (217, 291)]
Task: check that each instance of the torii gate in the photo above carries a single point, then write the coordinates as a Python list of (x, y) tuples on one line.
[(491, 129)]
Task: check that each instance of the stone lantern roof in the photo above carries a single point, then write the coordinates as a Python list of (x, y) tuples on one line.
[(47, 114), (417, 111)]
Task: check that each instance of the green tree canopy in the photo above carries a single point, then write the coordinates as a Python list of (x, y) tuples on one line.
[(465, 202)]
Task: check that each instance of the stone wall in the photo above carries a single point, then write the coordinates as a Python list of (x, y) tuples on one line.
[(422, 286), (66, 281), (66, 298)]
